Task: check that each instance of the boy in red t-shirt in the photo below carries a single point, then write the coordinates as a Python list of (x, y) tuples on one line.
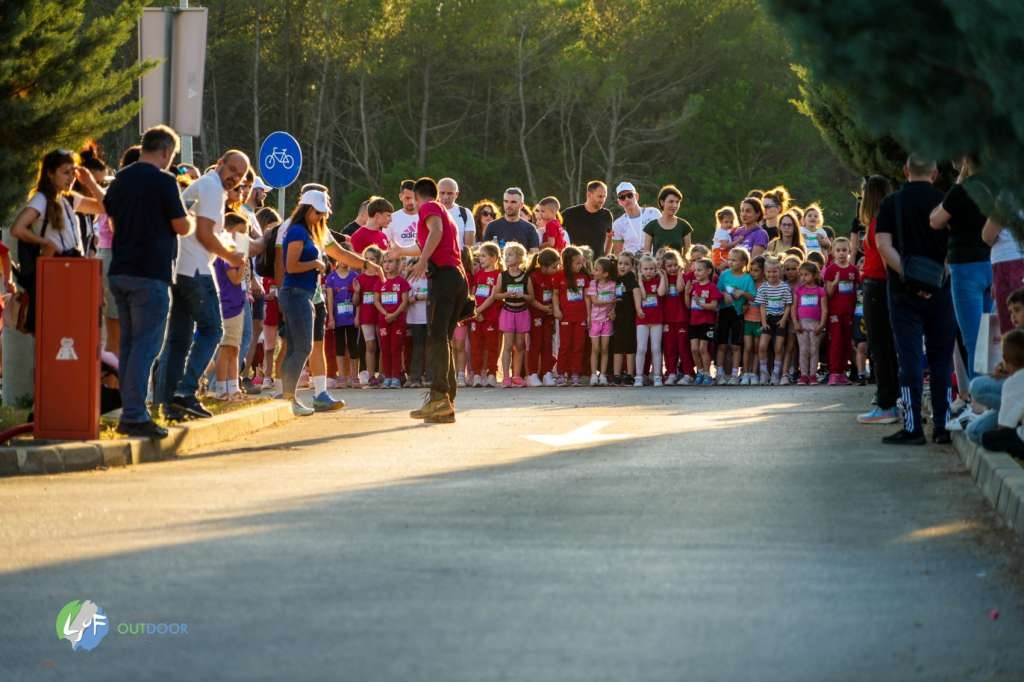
[(485, 336), (841, 280), (570, 309), (702, 297), (547, 215), (391, 299)]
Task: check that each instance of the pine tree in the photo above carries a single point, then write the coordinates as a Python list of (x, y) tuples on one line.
[(942, 78), (57, 83)]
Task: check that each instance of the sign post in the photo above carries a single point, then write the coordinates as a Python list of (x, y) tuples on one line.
[(280, 160)]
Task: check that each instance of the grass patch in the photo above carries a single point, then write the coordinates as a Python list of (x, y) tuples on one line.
[(108, 425), (12, 416)]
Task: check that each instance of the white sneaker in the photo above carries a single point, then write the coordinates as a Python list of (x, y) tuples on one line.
[(477, 381), (776, 379), (595, 379), (734, 380), (460, 380), (687, 380), (364, 378), (549, 379), (671, 380), (267, 382), (603, 380), (745, 379), (638, 381), (720, 379), (278, 386), (332, 383), (657, 381), (963, 421), (492, 381), (533, 381)]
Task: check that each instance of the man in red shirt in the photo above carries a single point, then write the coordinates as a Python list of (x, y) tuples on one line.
[(440, 260)]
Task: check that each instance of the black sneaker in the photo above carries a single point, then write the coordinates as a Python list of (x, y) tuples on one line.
[(189, 404), (173, 414), (146, 429), (249, 388), (904, 437), (862, 380), (941, 437)]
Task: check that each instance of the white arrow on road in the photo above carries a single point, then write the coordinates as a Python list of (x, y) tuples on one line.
[(581, 436)]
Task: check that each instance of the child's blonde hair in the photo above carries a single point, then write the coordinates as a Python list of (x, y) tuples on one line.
[(697, 251), (727, 210), (373, 253), (743, 253), (648, 258), (516, 248), (494, 251)]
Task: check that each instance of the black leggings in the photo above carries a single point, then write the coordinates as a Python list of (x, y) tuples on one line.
[(881, 346)]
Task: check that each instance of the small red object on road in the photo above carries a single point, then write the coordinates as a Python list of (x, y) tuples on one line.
[(994, 614)]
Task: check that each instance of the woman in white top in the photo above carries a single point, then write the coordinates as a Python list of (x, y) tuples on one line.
[(815, 238)]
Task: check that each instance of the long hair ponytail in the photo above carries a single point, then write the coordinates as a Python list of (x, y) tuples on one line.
[(44, 185)]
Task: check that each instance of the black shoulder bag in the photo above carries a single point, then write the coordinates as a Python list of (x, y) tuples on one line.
[(919, 272)]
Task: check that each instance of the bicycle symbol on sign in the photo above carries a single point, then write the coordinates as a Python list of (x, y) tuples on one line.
[(279, 157)]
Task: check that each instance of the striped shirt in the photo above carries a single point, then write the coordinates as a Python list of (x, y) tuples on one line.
[(775, 297)]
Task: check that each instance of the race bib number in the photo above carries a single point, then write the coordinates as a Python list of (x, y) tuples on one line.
[(729, 289), (367, 298), (650, 301), (698, 301), (858, 311), (389, 297), (344, 309), (483, 290), (546, 296), (809, 300), (811, 240), (846, 287), (573, 295), (672, 291), (619, 290), (422, 291), (607, 296), (516, 290), (776, 304)]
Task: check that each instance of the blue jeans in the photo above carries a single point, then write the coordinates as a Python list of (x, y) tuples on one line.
[(914, 318), (297, 308), (987, 391), (142, 305), (193, 334), (972, 296), (243, 349)]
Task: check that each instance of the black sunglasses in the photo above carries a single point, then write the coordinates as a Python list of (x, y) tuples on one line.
[(487, 214), (625, 195)]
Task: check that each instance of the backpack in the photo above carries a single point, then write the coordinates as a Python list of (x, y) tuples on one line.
[(265, 261)]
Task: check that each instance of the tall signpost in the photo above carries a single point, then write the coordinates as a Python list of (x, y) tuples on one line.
[(279, 161)]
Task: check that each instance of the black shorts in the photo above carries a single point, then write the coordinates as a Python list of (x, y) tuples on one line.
[(860, 332), (702, 332), (729, 331), (259, 309), (319, 321), (623, 340), (346, 341), (776, 327)]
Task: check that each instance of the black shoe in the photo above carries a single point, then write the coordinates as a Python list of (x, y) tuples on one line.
[(1003, 439), (146, 429), (904, 437), (189, 404), (173, 414), (942, 437), (862, 380), (250, 388)]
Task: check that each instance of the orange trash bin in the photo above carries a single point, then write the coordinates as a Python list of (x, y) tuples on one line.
[(68, 314)]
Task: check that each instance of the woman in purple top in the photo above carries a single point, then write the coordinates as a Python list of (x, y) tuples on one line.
[(751, 235)]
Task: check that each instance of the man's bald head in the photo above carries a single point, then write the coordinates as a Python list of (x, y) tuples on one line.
[(232, 167), (447, 191)]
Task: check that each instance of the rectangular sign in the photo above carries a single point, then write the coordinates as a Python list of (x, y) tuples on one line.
[(172, 93)]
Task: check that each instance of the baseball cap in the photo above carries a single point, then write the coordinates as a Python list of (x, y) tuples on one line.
[(625, 187), (317, 200), (258, 183)]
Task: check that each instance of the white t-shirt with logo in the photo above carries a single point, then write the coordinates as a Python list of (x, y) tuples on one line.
[(630, 231), (402, 230), (68, 238), (812, 238), (467, 226), (204, 198)]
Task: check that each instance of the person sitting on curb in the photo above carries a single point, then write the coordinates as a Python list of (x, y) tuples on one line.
[(1007, 437)]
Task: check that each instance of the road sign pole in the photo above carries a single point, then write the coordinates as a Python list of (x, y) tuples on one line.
[(280, 203), (186, 140)]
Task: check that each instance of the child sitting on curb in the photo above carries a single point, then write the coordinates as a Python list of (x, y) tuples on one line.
[(1007, 436)]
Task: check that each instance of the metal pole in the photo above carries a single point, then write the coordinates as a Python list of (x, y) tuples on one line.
[(186, 140), (280, 203)]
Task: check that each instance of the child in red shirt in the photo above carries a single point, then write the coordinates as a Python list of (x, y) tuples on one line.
[(676, 339), (570, 309), (364, 293), (649, 319), (485, 337), (547, 215), (702, 297), (391, 299), (841, 280), (541, 287)]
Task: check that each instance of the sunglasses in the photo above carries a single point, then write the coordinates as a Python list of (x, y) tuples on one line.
[(486, 214), (625, 195), (770, 205)]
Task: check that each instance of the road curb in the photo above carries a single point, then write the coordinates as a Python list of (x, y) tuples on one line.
[(54, 458), (1000, 477)]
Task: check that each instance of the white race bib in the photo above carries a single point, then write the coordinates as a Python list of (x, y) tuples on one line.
[(809, 300), (389, 297)]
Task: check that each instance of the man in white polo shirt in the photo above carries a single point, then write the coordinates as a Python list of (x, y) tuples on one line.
[(447, 193), (628, 228), (195, 326), (402, 230)]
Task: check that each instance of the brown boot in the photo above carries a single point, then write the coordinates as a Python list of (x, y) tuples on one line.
[(445, 419), (435, 407)]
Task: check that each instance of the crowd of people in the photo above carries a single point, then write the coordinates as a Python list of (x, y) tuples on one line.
[(229, 299)]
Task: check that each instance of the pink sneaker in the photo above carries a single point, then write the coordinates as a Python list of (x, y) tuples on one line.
[(506, 382), (833, 380), (843, 380), (518, 382), (804, 380)]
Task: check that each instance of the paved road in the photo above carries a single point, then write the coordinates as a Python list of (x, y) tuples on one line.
[(695, 534)]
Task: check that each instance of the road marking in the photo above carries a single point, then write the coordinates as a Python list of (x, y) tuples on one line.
[(584, 434)]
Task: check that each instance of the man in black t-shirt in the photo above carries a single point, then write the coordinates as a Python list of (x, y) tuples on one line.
[(512, 228), (917, 309), (147, 214), (589, 223)]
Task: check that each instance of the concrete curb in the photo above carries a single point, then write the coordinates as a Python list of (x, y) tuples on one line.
[(53, 458), (1000, 477)]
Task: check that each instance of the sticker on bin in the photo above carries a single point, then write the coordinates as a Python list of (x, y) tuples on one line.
[(67, 350)]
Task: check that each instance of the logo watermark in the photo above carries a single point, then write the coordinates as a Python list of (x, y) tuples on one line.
[(84, 624)]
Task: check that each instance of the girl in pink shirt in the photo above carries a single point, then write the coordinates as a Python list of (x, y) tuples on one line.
[(810, 311)]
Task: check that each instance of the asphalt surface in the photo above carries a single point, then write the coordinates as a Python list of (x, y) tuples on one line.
[(550, 534)]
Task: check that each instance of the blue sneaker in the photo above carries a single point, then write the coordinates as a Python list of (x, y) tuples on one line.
[(879, 416), (325, 403)]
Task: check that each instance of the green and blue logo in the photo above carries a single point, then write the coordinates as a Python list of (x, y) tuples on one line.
[(83, 623)]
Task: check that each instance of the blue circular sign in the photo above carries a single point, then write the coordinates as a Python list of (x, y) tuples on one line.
[(280, 159)]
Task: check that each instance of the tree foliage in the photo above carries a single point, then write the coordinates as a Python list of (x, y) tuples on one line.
[(58, 83), (940, 77)]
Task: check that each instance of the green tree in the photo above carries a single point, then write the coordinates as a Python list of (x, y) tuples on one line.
[(58, 84), (941, 78)]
